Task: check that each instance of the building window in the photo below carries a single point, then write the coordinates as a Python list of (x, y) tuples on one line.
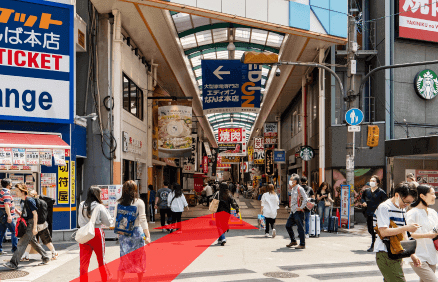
[(132, 98)]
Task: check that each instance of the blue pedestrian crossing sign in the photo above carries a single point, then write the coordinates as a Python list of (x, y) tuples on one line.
[(354, 116)]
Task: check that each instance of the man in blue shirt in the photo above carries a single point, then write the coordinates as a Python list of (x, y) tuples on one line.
[(7, 215), (30, 215)]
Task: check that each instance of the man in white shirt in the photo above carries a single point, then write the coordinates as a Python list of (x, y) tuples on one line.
[(394, 209), (208, 191)]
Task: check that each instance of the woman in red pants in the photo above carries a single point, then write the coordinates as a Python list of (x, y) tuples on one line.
[(97, 244)]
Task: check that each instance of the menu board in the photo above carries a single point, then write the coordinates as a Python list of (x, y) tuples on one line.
[(48, 185)]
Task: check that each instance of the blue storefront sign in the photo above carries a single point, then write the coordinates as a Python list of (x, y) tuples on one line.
[(280, 156), (230, 86), (36, 61)]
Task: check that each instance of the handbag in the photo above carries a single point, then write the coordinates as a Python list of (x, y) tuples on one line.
[(21, 226), (86, 232), (408, 248), (214, 204)]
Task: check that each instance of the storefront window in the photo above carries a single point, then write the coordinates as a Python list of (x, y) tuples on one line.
[(132, 98)]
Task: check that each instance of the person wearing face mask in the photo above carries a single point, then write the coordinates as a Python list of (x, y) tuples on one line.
[(371, 198), (298, 200), (427, 218), (393, 210)]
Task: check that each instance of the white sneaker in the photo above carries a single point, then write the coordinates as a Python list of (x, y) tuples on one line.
[(307, 236), (266, 235), (55, 255), (274, 232)]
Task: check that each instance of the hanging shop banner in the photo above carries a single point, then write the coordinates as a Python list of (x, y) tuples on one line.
[(213, 163), (73, 183), (18, 156), (46, 157), (59, 156), (280, 156), (259, 157), (232, 142), (230, 149), (174, 131), (37, 68), (269, 162), (32, 157), (205, 164), (250, 154), (230, 160), (229, 86), (221, 165), (63, 181), (418, 20), (6, 156), (259, 143), (270, 133), (190, 163), (207, 149)]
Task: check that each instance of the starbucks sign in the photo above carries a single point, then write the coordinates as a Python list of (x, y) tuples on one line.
[(426, 84), (306, 153)]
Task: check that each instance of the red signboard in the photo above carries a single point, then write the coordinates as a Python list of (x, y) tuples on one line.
[(418, 19), (205, 165), (222, 165), (231, 135)]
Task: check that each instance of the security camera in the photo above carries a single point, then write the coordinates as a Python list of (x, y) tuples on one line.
[(277, 72)]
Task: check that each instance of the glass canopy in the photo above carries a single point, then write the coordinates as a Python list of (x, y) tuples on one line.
[(204, 38)]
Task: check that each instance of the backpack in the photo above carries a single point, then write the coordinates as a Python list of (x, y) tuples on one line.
[(42, 210), (125, 220)]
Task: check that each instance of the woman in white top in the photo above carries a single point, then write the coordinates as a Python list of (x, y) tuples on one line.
[(177, 202), (132, 227), (427, 218), (270, 205)]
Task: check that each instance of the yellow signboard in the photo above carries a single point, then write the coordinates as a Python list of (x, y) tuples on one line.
[(373, 136), (73, 183), (63, 181)]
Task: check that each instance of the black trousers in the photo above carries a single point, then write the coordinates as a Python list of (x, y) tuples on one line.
[(163, 213), (269, 221), (176, 218), (371, 228)]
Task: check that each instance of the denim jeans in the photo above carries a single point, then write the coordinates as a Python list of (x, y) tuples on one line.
[(222, 225), (11, 228), (296, 218), (323, 212), (307, 220)]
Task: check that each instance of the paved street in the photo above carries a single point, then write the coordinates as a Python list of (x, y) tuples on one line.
[(247, 256)]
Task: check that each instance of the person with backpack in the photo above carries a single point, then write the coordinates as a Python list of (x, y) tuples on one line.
[(132, 226), (93, 203), (226, 201), (30, 215), (310, 197), (7, 215), (42, 227), (177, 202), (161, 202), (270, 205)]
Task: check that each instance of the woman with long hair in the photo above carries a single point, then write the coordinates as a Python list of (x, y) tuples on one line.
[(427, 219), (226, 201), (270, 204), (132, 227), (177, 202), (324, 202), (97, 244)]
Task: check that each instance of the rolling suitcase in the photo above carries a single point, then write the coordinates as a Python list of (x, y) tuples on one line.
[(315, 225), (333, 224)]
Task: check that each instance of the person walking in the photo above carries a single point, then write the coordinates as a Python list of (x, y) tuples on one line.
[(152, 200), (298, 201), (161, 202), (43, 231), (270, 205), (177, 202), (324, 203), (133, 230), (7, 215), (311, 197), (393, 210), (208, 192), (226, 201), (427, 218), (30, 215), (97, 244), (372, 197)]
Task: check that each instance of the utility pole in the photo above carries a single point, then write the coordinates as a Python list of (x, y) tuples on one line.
[(352, 88)]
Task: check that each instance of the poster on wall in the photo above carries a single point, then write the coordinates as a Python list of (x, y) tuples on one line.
[(174, 131), (48, 185), (418, 20), (425, 176), (46, 157), (18, 156), (6, 156), (32, 157), (59, 157)]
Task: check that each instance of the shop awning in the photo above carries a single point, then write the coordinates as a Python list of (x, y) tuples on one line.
[(157, 162), (32, 141)]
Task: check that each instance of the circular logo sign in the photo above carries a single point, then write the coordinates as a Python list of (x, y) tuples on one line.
[(306, 153), (426, 84)]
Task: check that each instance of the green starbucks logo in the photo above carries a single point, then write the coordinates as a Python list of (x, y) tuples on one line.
[(306, 153), (426, 84)]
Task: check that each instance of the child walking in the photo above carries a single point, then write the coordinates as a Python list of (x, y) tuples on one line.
[(270, 205)]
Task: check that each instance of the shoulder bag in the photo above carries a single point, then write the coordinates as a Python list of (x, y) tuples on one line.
[(214, 204), (408, 246), (86, 232), (21, 225), (327, 202)]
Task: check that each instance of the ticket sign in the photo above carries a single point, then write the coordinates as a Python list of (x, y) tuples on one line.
[(36, 61), (63, 183)]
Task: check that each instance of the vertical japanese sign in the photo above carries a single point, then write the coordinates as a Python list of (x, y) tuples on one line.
[(418, 19), (18, 156), (270, 133), (37, 61), (73, 183), (32, 157), (214, 161), (230, 86), (6, 156), (250, 154), (205, 164), (190, 163), (269, 162), (63, 181), (259, 150), (345, 205), (232, 142)]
